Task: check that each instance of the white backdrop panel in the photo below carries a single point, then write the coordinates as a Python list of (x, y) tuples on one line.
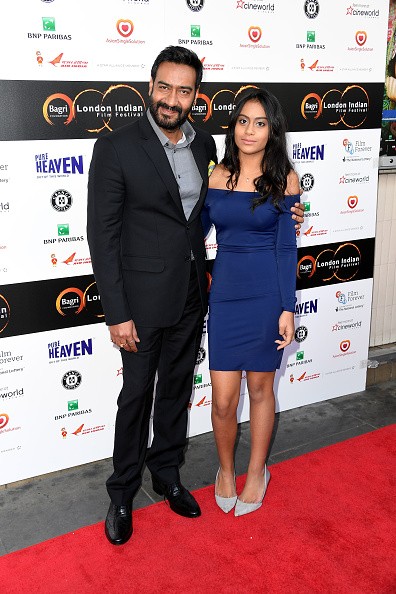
[(59, 411)]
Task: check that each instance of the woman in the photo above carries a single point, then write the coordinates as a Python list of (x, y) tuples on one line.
[(252, 297)]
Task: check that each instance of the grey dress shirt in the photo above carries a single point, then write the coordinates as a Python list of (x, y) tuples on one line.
[(182, 163)]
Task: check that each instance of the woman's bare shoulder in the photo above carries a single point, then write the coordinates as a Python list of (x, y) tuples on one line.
[(218, 178), (293, 184)]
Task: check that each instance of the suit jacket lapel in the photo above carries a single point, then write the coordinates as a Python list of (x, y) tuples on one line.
[(155, 151)]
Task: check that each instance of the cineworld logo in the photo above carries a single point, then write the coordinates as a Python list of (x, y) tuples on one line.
[(17, 393), (267, 8), (349, 106), (374, 13), (362, 179), (73, 165), (93, 110), (349, 325), (56, 350), (340, 264)]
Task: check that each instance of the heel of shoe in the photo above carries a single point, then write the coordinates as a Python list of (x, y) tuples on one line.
[(226, 504), (242, 508)]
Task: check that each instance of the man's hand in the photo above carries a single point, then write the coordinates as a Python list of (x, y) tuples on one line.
[(298, 210), (124, 336)]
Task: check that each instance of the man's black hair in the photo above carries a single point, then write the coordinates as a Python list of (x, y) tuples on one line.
[(179, 55)]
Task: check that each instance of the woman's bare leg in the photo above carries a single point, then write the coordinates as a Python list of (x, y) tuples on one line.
[(262, 414), (226, 387)]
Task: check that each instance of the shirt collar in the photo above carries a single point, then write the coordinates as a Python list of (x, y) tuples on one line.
[(186, 128)]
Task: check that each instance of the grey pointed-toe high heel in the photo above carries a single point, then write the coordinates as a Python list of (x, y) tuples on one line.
[(226, 504), (242, 508)]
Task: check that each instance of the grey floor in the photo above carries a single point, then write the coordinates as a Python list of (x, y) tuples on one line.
[(35, 510)]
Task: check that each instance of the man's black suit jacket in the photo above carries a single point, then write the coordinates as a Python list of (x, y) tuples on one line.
[(139, 238)]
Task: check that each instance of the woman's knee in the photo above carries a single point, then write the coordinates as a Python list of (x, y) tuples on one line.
[(260, 393), (224, 407), (260, 386)]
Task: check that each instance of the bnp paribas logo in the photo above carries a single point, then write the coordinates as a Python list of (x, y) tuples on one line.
[(48, 23), (197, 379), (300, 356), (63, 230), (72, 405), (195, 30)]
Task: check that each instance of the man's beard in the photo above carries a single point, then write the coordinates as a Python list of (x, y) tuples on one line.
[(163, 121)]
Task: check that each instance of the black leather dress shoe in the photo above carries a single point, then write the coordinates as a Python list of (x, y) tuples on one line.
[(180, 500), (118, 525)]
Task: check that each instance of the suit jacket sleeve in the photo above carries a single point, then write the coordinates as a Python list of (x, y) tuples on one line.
[(106, 194)]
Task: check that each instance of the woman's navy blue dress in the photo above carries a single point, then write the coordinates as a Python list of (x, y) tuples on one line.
[(253, 279)]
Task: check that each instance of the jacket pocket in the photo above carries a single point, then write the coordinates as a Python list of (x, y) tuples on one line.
[(143, 264)]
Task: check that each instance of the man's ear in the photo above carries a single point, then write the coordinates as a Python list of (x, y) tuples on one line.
[(151, 84)]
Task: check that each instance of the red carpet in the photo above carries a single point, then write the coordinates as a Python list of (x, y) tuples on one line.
[(327, 525)]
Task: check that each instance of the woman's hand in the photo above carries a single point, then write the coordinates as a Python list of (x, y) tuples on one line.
[(286, 329)]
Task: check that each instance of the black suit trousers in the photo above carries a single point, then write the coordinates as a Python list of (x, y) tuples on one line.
[(172, 352)]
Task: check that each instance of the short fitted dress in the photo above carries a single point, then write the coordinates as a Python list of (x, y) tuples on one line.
[(253, 279)]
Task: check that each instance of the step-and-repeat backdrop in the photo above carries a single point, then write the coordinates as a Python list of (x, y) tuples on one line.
[(72, 71)]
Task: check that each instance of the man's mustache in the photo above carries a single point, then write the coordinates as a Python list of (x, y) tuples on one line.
[(166, 106)]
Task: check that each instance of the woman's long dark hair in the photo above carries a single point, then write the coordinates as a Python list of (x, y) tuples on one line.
[(276, 164)]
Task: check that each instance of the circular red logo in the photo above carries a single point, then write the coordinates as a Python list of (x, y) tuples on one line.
[(3, 420), (344, 345)]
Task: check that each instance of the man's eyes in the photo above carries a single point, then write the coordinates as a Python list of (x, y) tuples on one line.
[(165, 89)]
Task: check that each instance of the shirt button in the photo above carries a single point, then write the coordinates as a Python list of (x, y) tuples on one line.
[(188, 227), (187, 258)]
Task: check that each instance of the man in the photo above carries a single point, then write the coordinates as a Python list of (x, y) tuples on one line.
[(147, 185)]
